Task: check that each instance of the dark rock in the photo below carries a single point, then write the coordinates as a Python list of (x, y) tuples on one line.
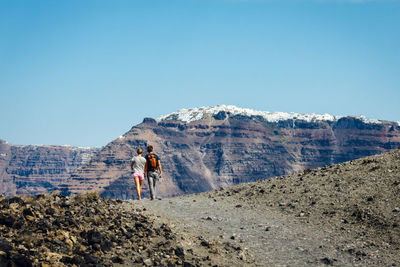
[(205, 243), (117, 259), (72, 260), (5, 261), (188, 264), (19, 223), (89, 259), (94, 237), (16, 199), (5, 245), (326, 261), (28, 211), (6, 220), (106, 245), (180, 252), (50, 211), (21, 261)]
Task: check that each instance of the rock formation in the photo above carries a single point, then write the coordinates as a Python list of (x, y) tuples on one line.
[(208, 148), (50, 230), (38, 169)]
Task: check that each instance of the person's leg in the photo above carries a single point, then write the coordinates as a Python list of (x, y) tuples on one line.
[(151, 188), (138, 187), (141, 184), (155, 178), (154, 186)]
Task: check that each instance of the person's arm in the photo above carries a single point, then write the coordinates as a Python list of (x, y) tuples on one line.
[(159, 167), (132, 165), (145, 169)]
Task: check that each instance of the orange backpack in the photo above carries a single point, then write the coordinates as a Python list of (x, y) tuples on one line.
[(152, 162)]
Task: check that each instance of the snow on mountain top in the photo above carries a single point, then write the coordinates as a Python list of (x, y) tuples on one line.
[(194, 114)]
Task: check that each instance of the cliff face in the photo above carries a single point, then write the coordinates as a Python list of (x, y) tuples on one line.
[(224, 148), (38, 169)]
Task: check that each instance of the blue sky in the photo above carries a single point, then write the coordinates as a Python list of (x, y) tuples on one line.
[(84, 72)]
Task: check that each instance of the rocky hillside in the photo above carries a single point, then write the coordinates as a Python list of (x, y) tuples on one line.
[(356, 202), (38, 169), (50, 230), (207, 148)]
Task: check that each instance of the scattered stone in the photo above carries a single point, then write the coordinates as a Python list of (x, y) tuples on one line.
[(94, 237), (118, 259), (205, 243), (326, 261), (179, 251), (242, 256), (5, 245), (147, 262)]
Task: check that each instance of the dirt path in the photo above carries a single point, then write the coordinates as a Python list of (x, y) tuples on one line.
[(230, 233)]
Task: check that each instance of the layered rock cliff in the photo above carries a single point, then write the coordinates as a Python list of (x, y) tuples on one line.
[(38, 169), (208, 148)]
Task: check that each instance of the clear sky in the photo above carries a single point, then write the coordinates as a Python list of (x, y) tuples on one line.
[(84, 72)]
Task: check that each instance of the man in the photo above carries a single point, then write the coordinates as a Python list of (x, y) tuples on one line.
[(151, 167)]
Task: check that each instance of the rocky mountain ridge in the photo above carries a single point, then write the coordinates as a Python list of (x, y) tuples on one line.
[(209, 148), (38, 169)]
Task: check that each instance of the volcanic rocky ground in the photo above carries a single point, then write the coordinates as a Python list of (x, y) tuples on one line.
[(343, 215)]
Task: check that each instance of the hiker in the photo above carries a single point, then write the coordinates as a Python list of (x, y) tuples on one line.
[(137, 166), (151, 167)]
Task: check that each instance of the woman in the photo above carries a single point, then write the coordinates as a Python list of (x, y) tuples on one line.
[(137, 166)]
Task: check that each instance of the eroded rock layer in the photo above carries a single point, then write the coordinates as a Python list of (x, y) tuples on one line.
[(36, 170), (221, 149)]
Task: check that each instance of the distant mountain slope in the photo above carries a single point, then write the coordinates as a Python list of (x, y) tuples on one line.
[(38, 169), (208, 148)]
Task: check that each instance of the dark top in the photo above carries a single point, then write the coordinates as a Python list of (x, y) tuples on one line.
[(147, 157)]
